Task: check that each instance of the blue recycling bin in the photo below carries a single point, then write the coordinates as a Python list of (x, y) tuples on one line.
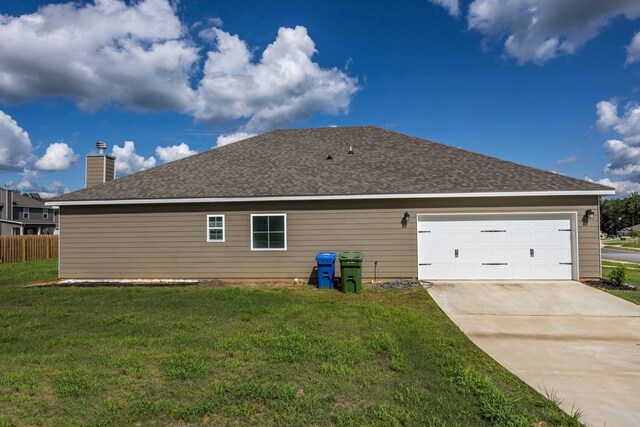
[(326, 269)]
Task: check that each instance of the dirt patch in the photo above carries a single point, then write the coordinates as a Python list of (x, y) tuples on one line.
[(608, 284)]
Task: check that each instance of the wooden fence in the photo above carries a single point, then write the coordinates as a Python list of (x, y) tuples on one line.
[(28, 248)]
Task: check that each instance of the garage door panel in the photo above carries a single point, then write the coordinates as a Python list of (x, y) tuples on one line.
[(495, 249), (445, 271)]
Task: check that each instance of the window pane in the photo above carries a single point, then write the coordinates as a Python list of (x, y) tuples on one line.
[(215, 234), (276, 240), (215, 222), (276, 223), (260, 240), (260, 224)]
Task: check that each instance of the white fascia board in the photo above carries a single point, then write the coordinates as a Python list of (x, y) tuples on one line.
[(335, 197)]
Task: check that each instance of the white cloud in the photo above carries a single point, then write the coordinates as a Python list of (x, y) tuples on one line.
[(15, 144), (566, 162), (28, 184), (98, 52), (285, 85), (623, 188), (452, 6), (59, 156), (627, 125), (624, 158), (128, 161), (539, 30), (623, 152), (233, 137), (174, 152), (140, 55), (633, 50), (607, 114)]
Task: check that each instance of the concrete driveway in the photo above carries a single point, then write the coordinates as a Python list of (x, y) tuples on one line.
[(618, 255), (562, 337)]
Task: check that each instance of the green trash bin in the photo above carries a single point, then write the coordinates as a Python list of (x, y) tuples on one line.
[(351, 271)]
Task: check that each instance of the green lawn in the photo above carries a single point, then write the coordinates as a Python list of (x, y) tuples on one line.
[(631, 244), (244, 356), (633, 278)]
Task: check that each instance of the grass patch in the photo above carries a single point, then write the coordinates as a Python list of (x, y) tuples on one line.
[(73, 384), (20, 273), (184, 366), (633, 278), (630, 244), (245, 356)]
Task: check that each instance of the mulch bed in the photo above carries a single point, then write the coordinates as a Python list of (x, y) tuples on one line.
[(113, 283), (607, 284)]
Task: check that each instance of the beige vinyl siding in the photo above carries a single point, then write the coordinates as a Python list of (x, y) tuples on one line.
[(170, 241), (95, 170), (111, 166)]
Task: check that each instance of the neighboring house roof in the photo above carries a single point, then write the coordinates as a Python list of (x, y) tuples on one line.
[(289, 163), (26, 202)]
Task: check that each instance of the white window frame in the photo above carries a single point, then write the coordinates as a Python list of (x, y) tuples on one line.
[(284, 215), (25, 213), (45, 213), (223, 228)]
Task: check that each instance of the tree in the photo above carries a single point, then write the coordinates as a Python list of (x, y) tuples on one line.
[(35, 196), (613, 215), (633, 207)]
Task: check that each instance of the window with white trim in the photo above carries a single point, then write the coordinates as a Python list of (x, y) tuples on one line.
[(45, 213), (25, 213), (268, 232), (215, 228)]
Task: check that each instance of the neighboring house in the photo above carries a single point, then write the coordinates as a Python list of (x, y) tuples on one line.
[(625, 232), (21, 215), (263, 207)]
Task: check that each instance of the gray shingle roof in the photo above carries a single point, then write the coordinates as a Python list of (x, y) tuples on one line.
[(20, 200), (293, 163), (27, 202)]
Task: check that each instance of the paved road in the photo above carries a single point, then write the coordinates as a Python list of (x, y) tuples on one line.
[(559, 337), (617, 255)]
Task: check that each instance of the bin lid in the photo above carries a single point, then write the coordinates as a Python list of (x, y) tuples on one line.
[(351, 256), (326, 256)]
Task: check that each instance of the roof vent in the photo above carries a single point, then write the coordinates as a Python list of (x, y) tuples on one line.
[(101, 146), (329, 157), (350, 150)]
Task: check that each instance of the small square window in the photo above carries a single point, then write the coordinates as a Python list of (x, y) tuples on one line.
[(215, 228), (268, 232)]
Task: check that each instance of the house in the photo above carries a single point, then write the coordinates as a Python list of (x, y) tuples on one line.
[(21, 215), (263, 207), (626, 232)]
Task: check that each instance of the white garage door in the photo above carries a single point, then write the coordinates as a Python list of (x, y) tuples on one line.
[(494, 248)]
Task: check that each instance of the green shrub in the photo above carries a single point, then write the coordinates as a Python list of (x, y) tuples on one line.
[(634, 234), (618, 275)]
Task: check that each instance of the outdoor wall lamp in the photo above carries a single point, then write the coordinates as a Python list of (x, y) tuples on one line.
[(405, 219), (590, 214)]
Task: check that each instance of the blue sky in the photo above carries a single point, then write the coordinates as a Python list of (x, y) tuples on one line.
[(545, 84)]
